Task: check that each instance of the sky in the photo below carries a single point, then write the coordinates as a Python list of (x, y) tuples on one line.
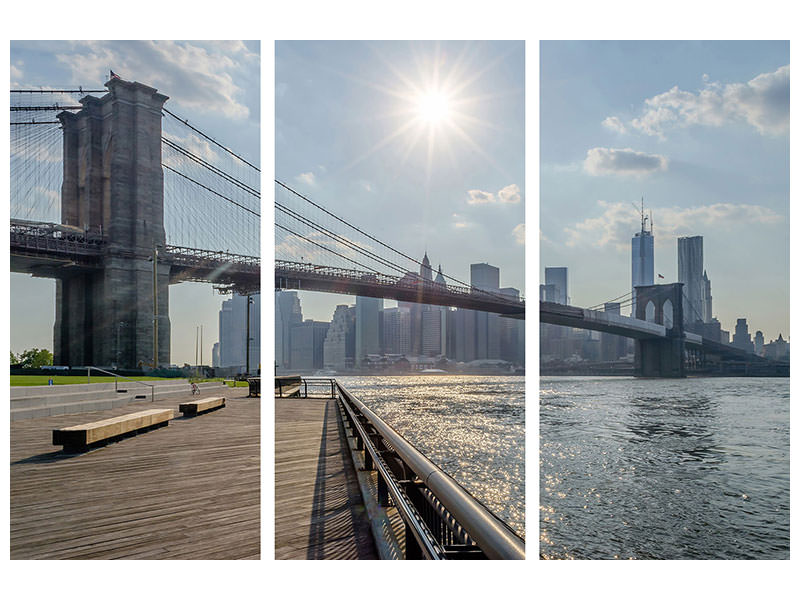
[(421, 144), (215, 85), (701, 131)]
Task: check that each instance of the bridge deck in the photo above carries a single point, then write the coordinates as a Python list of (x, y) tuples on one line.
[(186, 491), (319, 513)]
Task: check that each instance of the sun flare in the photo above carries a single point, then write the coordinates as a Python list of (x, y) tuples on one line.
[(433, 106)]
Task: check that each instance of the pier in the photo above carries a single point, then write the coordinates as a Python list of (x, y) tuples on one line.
[(347, 485), (190, 490)]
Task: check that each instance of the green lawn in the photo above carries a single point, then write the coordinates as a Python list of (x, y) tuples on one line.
[(69, 379)]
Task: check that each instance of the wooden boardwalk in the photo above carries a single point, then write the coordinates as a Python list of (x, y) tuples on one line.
[(187, 491), (319, 513)]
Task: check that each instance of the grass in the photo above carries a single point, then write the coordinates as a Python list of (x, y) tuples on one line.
[(71, 379)]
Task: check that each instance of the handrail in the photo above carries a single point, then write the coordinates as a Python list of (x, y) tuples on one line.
[(115, 375), (494, 538)]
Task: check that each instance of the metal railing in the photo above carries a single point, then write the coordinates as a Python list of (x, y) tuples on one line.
[(116, 376), (442, 520)]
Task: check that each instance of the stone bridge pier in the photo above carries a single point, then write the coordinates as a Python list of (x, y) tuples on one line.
[(114, 186), (661, 357)]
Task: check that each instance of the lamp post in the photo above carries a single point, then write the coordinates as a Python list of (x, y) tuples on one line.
[(155, 307), (247, 336)]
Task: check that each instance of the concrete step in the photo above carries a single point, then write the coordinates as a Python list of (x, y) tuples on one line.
[(70, 402)]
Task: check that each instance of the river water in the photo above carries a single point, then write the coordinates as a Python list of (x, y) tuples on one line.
[(472, 427), (666, 469)]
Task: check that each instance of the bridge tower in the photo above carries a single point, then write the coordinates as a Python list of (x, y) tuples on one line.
[(113, 186), (661, 357)]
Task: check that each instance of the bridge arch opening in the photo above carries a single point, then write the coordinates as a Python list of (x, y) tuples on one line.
[(650, 312), (668, 315)]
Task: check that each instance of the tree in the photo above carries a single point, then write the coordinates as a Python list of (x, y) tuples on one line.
[(14, 359), (35, 358)]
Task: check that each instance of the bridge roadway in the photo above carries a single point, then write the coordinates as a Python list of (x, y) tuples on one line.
[(595, 320), (191, 490), (316, 278), (47, 249)]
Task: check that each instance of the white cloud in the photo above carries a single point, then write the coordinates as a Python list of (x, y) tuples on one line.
[(762, 102), (508, 195), (16, 74), (614, 124), (307, 178), (201, 76), (519, 234), (365, 185), (618, 222), (623, 162)]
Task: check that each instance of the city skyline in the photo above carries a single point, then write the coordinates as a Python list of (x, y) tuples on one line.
[(703, 137), (419, 143), (215, 85)]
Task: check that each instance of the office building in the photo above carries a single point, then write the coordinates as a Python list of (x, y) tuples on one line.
[(339, 347), (233, 321), (690, 274), (287, 314), (642, 258), (557, 277), (741, 337), (308, 339), (367, 340), (396, 330)]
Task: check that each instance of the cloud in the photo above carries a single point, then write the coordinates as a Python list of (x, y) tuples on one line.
[(307, 178), (16, 74), (614, 124), (762, 102), (624, 162), (619, 222), (508, 195), (519, 234), (206, 77)]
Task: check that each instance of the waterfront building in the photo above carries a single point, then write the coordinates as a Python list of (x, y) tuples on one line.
[(690, 274), (367, 311), (758, 343), (777, 349), (487, 326), (308, 339), (705, 300), (547, 293), (339, 347), (232, 336), (741, 337), (287, 314), (642, 258), (397, 330)]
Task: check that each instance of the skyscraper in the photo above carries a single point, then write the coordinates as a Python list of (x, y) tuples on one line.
[(339, 346), (557, 277), (287, 314), (642, 258), (690, 274), (232, 336), (367, 334)]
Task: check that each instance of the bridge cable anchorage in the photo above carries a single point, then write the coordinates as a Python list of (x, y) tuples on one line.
[(217, 171), (388, 247), (210, 139), (341, 239), (212, 191)]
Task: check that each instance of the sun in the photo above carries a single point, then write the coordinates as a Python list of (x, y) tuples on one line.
[(433, 106)]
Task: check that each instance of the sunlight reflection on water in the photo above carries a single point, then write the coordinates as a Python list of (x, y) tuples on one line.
[(473, 427)]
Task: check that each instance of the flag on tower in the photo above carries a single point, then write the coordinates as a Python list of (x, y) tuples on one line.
[(660, 276), (114, 75)]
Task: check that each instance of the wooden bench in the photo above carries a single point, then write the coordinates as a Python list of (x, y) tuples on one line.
[(79, 437), (195, 407)]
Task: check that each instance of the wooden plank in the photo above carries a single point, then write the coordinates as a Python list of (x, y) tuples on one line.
[(196, 407), (319, 513), (125, 500), (89, 433)]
